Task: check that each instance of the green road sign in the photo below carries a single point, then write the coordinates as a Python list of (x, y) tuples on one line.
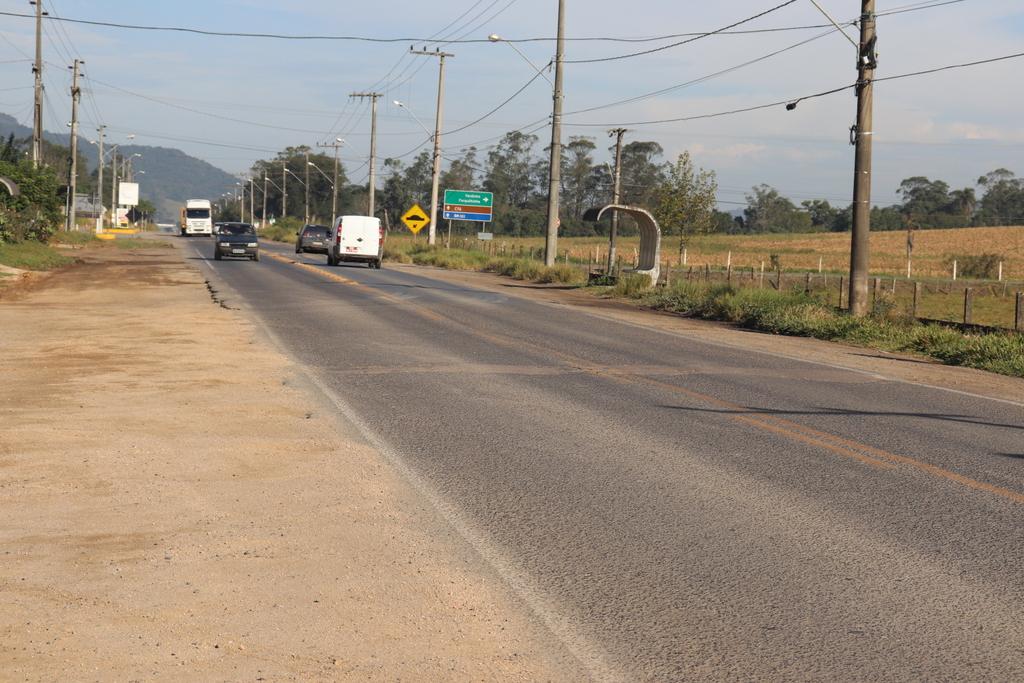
[(467, 198)]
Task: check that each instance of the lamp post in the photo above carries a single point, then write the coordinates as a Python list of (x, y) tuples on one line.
[(332, 183), (495, 38)]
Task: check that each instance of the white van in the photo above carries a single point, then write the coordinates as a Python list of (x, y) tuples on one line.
[(356, 238)]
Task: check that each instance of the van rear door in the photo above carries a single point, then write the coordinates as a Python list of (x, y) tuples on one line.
[(358, 237)]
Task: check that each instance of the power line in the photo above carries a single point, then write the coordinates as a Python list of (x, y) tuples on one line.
[(681, 42), (696, 81), (791, 103)]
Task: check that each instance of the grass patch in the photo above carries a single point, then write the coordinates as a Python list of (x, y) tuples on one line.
[(806, 315), (76, 238), (279, 233), (31, 255)]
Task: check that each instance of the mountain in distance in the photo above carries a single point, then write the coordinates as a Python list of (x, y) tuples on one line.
[(171, 175)]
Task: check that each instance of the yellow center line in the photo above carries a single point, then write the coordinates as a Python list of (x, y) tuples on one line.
[(864, 453)]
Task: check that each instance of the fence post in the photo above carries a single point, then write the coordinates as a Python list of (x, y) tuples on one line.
[(1018, 323), (684, 256), (917, 300), (778, 278), (668, 274), (728, 274), (968, 304), (954, 270), (842, 286), (876, 287), (761, 283), (1000, 271), (807, 283)]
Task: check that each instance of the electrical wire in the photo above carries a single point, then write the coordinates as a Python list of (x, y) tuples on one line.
[(681, 42), (794, 101), (702, 79)]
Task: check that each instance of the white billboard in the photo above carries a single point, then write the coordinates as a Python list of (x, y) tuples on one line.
[(128, 194)]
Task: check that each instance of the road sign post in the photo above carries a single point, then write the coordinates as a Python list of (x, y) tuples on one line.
[(466, 205)]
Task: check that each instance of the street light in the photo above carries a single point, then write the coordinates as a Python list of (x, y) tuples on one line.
[(326, 177), (414, 118), (495, 38)]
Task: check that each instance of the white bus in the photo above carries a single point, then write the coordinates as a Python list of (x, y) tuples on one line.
[(196, 217)]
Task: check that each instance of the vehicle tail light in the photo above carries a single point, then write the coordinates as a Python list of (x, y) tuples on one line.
[(339, 234)]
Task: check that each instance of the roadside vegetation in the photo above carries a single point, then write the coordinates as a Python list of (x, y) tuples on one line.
[(807, 315), (32, 255)]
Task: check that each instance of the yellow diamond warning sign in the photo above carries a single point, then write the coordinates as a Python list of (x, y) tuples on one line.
[(415, 219)]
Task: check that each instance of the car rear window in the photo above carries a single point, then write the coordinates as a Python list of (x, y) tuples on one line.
[(237, 229)]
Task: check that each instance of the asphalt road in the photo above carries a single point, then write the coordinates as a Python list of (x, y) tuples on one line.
[(672, 509)]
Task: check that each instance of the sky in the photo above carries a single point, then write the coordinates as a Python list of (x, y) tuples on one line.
[(232, 100)]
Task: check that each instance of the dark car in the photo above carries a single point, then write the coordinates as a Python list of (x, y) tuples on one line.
[(236, 239), (313, 239)]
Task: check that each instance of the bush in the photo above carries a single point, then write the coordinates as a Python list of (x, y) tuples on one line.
[(978, 266), (631, 285), (800, 314), (562, 274)]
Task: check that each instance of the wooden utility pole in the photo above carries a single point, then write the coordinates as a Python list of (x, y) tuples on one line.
[(555, 167), (861, 135), (372, 201), (76, 95), (438, 122), (37, 70), (616, 194)]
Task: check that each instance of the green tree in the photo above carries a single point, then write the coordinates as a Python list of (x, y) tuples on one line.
[(823, 215), (642, 173), (577, 175), (36, 212), (686, 200), (768, 211), (1003, 201)]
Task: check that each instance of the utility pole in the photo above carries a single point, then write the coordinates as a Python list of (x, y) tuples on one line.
[(113, 187), (861, 135), (99, 180), (263, 217), (438, 120), (372, 202), (307, 187), (37, 70), (555, 169), (284, 188), (338, 142), (616, 195), (76, 95), (252, 198)]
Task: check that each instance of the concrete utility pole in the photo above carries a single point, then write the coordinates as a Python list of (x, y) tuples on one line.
[(555, 169), (252, 199), (338, 142), (861, 134), (372, 202), (76, 95), (263, 216), (616, 194), (37, 70), (241, 201), (284, 188), (307, 187), (99, 180), (113, 186), (438, 121)]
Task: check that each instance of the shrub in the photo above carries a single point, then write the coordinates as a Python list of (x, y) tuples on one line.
[(979, 266)]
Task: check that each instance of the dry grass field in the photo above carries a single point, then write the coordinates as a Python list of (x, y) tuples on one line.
[(932, 250)]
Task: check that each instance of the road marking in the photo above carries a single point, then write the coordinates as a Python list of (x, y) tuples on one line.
[(869, 455), (314, 269)]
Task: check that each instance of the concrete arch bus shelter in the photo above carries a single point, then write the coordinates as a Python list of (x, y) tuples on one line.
[(11, 186), (649, 262)]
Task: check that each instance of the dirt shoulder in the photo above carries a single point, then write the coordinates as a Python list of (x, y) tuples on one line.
[(176, 504), (895, 366)]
